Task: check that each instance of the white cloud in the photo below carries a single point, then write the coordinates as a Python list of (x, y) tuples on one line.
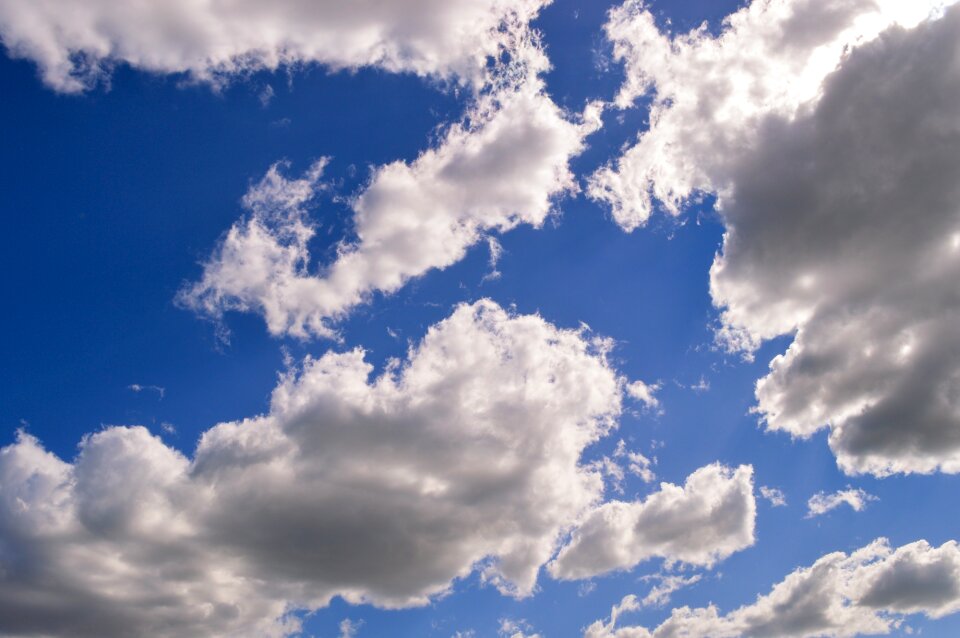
[(659, 595), (712, 93), (840, 196), (708, 518), (776, 496), (385, 489), (869, 592), (645, 393), (637, 463), (75, 43), (600, 629), (821, 502), (515, 629), (349, 628), (501, 167)]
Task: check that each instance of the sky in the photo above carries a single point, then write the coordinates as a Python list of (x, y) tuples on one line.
[(469, 318)]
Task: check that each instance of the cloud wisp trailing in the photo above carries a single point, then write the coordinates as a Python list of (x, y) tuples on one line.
[(502, 166), (821, 502)]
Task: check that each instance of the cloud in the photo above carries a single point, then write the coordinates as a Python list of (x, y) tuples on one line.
[(515, 629), (501, 166), (349, 628), (600, 629), (76, 43), (644, 393), (708, 518), (465, 456), (659, 595), (821, 502), (138, 388), (869, 592), (776, 497), (711, 93), (829, 133), (840, 230)]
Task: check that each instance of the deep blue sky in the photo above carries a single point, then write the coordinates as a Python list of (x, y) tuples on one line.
[(111, 199)]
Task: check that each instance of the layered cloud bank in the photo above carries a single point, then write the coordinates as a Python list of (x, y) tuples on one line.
[(466, 456), (869, 592), (830, 132), (76, 42)]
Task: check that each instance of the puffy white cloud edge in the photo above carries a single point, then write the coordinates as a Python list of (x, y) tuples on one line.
[(709, 517), (465, 457), (75, 43), (871, 591), (829, 131)]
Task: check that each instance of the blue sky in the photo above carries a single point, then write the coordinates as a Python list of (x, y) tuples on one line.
[(118, 193)]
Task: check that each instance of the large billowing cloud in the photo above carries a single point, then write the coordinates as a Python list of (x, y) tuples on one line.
[(711, 93), (708, 518), (868, 592), (467, 456), (75, 42), (841, 197), (500, 167), (844, 226)]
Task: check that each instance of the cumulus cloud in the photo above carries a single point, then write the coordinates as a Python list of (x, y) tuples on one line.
[(776, 496), (829, 131), (869, 592), (710, 93), (821, 502), (465, 456), (705, 520), (840, 230), (500, 167), (75, 43)]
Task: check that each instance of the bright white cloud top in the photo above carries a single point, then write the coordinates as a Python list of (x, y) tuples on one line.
[(821, 502), (821, 172), (866, 593), (76, 42)]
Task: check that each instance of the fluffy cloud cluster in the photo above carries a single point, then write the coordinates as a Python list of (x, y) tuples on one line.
[(382, 490), (467, 456), (711, 93), (500, 167), (868, 592), (76, 42), (840, 195), (708, 518), (821, 502)]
